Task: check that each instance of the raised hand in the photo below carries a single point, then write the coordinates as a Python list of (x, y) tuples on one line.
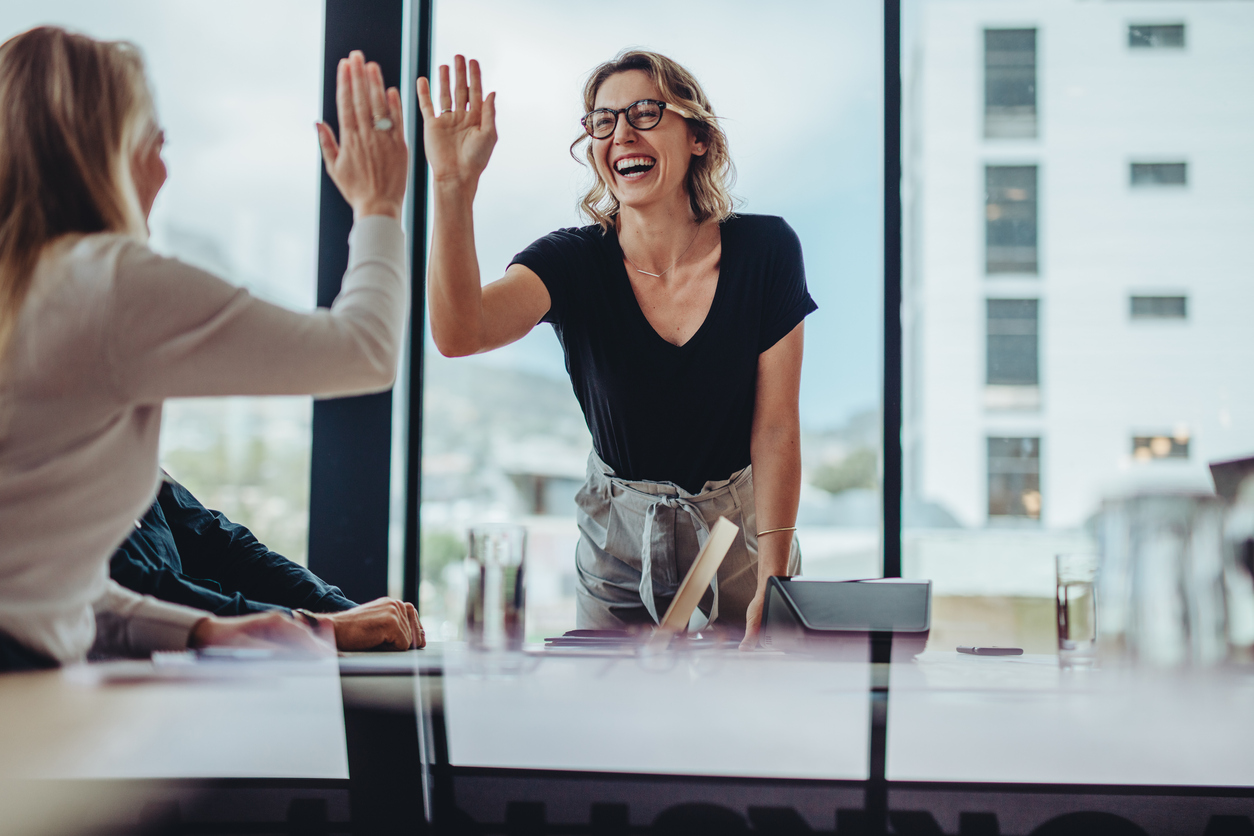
[(459, 139), (370, 162)]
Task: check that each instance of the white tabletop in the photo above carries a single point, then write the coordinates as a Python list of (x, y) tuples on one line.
[(716, 713), (1020, 719), (130, 721)]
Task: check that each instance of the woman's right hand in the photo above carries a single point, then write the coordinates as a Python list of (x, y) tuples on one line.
[(269, 631), (459, 139), (369, 166)]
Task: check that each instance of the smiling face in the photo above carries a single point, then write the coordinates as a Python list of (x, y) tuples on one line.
[(644, 168)]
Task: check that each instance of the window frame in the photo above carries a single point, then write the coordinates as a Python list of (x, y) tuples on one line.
[(351, 456), (1134, 27), (990, 474), (1006, 266), (1149, 312), (1178, 447), (1002, 121), (1157, 167), (1006, 303)]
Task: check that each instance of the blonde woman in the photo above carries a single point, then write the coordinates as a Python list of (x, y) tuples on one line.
[(682, 327), (96, 331)]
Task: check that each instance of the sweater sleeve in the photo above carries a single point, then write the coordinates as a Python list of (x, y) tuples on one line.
[(130, 624), (179, 331)]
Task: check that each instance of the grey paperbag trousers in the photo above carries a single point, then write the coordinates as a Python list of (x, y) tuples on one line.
[(638, 540)]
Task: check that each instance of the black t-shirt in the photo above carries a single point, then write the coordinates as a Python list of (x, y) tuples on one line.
[(659, 411)]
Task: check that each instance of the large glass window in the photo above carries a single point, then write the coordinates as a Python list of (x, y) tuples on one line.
[(1166, 446), (1009, 82), (1010, 216), (1160, 307), (238, 86), (1123, 296), (1014, 478), (1156, 36), (1159, 174), (503, 436), (1012, 343)]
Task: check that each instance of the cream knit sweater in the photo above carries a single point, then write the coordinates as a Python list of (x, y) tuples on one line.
[(107, 333)]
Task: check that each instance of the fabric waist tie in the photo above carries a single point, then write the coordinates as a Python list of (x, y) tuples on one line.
[(646, 550), (662, 505)]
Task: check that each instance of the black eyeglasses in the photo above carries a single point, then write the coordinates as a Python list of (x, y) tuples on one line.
[(642, 115)]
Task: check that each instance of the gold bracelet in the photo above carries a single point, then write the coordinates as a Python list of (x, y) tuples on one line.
[(773, 530)]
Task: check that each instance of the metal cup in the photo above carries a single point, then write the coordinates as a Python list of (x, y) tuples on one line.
[(495, 599)]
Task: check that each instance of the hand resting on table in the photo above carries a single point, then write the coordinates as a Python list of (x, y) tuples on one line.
[(382, 624)]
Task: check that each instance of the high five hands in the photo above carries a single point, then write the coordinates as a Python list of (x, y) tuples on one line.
[(370, 162), (459, 139)]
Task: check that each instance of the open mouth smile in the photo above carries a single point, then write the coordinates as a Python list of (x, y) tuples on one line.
[(635, 167)]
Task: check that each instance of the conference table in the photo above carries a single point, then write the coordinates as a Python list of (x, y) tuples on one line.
[(628, 740)]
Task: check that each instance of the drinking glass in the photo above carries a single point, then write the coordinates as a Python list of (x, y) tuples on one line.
[(1077, 609), (495, 611)]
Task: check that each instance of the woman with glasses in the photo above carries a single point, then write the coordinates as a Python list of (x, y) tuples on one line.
[(682, 327)]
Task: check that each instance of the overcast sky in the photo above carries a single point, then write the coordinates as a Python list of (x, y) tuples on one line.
[(238, 87), (798, 84)]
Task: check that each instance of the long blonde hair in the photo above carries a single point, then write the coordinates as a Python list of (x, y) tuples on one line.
[(72, 111), (710, 176)]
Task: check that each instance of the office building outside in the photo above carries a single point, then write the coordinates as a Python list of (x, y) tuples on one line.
[(1079, 280)]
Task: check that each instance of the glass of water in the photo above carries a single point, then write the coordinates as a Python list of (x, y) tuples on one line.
[(495, 595), (1077, 609)]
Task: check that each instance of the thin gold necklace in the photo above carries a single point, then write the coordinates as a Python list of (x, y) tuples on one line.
[(673, 263)]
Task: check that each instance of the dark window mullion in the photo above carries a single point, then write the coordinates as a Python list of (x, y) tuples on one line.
[(891, 438), (412, 573), (350, 462)]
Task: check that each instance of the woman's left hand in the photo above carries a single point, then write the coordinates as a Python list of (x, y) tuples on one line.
[(753, 621), (369, 163)]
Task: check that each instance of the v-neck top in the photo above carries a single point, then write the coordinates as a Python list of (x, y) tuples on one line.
[(659, 411)]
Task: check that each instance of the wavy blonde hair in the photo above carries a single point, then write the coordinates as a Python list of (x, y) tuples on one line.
[(710, 176), (72, 112)]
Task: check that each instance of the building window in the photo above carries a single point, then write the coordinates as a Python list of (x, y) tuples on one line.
[(1159, 174), (1160, 307), (1147, 448), (1014, 478), (1009, 83), (1010, 218), (1156, 36), (1012, 342)]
